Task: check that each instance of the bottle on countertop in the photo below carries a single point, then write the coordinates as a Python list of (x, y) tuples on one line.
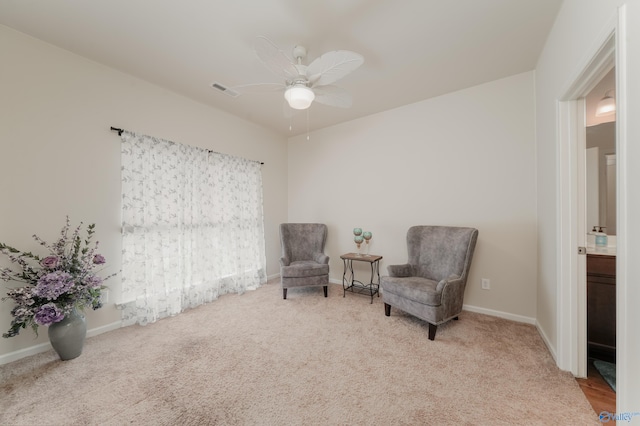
[(601, 237)]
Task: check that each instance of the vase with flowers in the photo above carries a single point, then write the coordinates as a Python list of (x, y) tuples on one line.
[(56, 288)]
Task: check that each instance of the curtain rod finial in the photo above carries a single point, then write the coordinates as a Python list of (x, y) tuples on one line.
[(115, 129)]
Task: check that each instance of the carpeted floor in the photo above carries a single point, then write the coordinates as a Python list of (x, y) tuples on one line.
[(256, 359)]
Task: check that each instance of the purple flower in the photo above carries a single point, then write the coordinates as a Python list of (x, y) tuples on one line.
[(99, 259), (49, 262), (48, 314), (93, 281), (53, 285)]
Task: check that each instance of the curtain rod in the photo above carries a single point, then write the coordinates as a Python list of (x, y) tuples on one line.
[(115, 129)]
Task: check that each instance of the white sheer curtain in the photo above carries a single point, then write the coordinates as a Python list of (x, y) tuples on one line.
[(192, 226)]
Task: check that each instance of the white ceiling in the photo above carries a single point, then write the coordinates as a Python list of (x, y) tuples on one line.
[(413, 49), (607, 84)]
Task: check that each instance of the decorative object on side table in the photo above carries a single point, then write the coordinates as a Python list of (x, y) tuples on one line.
[(358, 238), (56, 288), (367, 236)]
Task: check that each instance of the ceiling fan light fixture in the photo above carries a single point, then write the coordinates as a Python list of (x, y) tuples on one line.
[(299, 96), (606, 106)]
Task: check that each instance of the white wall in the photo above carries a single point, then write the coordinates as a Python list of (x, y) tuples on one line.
[(576, 32), (58, 156), (464, 159)]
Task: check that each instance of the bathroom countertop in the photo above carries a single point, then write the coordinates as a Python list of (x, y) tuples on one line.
[(602, 251)]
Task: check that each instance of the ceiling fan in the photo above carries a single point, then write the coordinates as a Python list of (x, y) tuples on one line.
[(304, 84)]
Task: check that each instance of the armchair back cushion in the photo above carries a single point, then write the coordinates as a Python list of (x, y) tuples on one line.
[(438, 252), (302, 241)]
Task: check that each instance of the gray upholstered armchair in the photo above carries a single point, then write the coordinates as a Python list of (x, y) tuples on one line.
[(431, 285), (303, 262)]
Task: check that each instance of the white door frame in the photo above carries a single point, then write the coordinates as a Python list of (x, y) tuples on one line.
[(571, 349)]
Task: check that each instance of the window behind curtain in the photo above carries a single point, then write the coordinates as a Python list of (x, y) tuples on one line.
[(192, 225)]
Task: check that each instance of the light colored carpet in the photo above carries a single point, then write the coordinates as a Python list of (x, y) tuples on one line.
[(257, 359)]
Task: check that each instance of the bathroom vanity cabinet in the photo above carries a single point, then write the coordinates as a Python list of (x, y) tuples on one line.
[(601, 307)]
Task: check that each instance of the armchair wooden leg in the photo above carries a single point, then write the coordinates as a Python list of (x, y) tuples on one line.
[(284, 293), (325, 290), (432, 331), (387, 309)]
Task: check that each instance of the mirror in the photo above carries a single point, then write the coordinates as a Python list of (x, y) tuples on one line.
[(601, 158), (601, 177)]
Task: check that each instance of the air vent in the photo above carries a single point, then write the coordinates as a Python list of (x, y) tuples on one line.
[(224, 89)]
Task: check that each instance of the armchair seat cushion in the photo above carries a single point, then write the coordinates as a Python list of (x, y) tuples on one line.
[(304, 268), (416, 289)]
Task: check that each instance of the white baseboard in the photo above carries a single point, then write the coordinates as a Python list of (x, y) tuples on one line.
[(500, 314), (547, 342), (23, 353), (471, 308), (99, 330), (43, 347)]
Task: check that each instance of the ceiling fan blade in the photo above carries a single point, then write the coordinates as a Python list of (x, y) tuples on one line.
[(332, 66), (333, 96), (258, 88), (274, 59)]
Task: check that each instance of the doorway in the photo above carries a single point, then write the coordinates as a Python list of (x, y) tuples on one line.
[(572, 344), (601, 213), (572, 233), (613, 44)]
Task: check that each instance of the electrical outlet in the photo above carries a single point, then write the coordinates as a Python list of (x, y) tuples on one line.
[(104, 296), (486, 284)]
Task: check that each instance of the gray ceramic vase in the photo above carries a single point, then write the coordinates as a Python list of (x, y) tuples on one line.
[(67, 336)]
